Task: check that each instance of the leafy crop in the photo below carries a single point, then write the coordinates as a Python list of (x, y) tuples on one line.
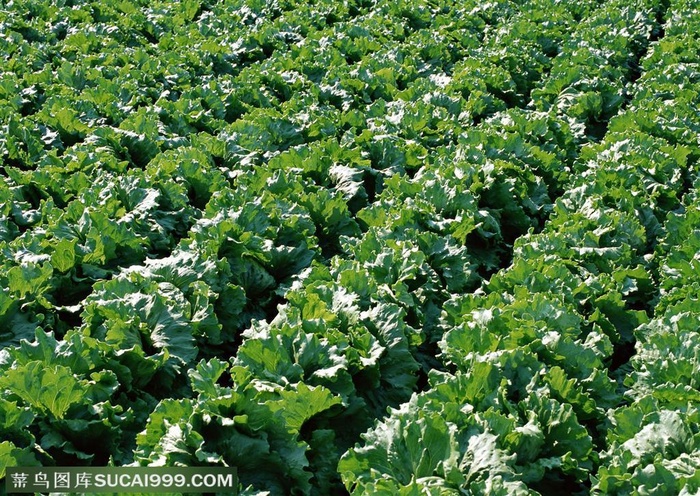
[(365, 247)]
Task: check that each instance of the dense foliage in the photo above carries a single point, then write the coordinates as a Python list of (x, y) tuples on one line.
[(373, 247)]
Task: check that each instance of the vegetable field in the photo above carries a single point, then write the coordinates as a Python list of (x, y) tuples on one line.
[(361, 247)]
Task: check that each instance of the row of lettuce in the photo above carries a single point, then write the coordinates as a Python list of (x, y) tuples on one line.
[(539, 397), (654, 442), (236, 234)]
